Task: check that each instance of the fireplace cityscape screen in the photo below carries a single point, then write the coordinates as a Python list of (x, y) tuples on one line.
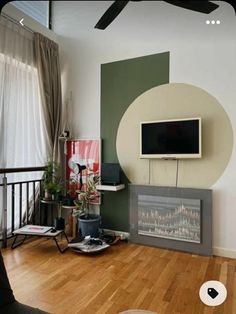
[(169, 217)]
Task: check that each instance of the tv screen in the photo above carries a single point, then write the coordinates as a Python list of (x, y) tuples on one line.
[(171, 138)]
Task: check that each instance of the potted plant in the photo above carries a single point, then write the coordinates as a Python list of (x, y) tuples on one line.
[(71, 194), (53, 186), (73, 183), (88, 223), (52, 182)]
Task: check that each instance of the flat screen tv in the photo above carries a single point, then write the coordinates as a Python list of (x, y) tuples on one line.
[(171, 139)]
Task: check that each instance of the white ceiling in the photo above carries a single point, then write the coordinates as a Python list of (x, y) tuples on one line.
[(141, 21)]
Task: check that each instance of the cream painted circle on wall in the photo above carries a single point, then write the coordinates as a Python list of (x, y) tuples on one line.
[(170, 101)]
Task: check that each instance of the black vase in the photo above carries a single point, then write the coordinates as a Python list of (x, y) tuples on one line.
[(59, 223)]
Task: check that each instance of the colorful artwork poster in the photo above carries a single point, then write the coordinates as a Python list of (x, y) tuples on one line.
[(83, 160)]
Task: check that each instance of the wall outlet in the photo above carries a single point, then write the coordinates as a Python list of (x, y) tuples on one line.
[(123, 236)]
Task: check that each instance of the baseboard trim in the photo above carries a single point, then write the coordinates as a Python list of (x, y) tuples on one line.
[(219, 251)]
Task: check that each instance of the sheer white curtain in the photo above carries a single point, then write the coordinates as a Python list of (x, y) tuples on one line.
[(23, 136)]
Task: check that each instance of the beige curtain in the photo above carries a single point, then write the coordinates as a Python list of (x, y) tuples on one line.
[(47, 63), (23, 135)]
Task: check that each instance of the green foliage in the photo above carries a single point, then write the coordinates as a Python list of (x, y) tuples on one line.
[(85, 197), (52, 181)]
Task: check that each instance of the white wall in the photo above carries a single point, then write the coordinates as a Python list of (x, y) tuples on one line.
[(200, 54)]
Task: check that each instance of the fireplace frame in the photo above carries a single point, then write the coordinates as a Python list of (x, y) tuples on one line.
[(205, 195)]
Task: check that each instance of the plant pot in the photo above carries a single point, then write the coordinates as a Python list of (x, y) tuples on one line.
[(68, 201), (47, 195), (59, 223), (90, 226), (56, 196)]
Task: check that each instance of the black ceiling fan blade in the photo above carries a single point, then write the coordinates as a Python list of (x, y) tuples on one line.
[(199, 6), (110, 14)]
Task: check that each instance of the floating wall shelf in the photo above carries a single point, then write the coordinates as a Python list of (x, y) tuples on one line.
[(113, 188)]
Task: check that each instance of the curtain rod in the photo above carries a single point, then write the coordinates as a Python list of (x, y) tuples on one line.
[(16, 22)]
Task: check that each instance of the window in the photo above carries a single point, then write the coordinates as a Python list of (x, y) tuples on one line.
[(23, 137), (38, 10)]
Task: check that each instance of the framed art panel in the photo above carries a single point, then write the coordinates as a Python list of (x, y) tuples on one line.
[(83, 161), (174, 218), (171, 218)]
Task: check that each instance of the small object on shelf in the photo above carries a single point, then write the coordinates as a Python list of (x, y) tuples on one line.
[(110, 173), (112, 188), (65, 135)]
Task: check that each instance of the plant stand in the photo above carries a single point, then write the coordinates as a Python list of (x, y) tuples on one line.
[(72, 220)]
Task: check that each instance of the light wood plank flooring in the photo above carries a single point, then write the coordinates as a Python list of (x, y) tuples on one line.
[(123, 277)]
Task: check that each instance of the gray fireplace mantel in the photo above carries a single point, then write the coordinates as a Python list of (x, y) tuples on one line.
[(205, 197)]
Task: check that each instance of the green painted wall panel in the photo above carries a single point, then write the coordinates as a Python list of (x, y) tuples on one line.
[(122, 82)]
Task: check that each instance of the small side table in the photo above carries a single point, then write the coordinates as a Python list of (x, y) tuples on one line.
[(74, 220), (48, 234)]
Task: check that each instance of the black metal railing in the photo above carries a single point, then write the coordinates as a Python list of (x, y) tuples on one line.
[(19, 201)]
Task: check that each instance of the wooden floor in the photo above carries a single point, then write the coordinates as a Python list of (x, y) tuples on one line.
[(123, 277)]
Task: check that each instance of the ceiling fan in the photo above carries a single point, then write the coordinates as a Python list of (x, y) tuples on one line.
[(117, 6)]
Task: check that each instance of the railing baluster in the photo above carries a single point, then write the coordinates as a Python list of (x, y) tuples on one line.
[(12, 208), (12, 198), (40, 194), (20, 205), (27, 202), (40, 188), (34, 211), (4, 205)]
